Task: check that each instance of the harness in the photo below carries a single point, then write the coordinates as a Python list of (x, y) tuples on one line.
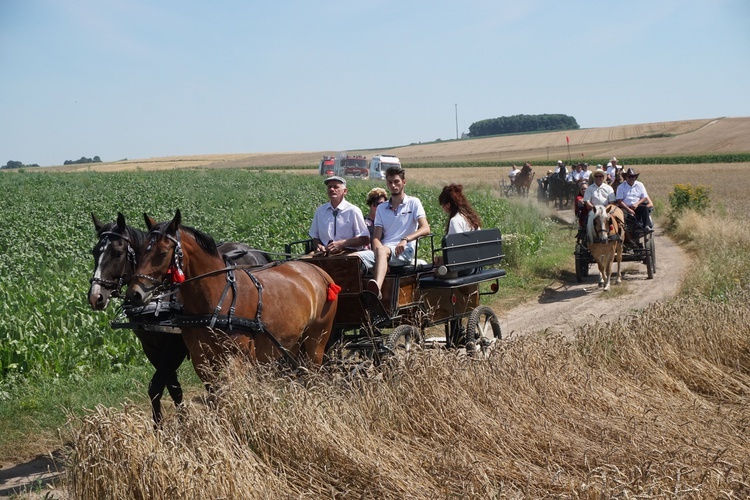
[(227, 321)]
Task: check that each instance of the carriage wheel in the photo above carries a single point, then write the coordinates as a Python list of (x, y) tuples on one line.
[(652, 251), (649, 265), (579, 269), (402, 340), (482, 331)]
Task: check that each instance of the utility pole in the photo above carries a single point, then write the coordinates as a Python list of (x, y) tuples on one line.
[(456, 121)]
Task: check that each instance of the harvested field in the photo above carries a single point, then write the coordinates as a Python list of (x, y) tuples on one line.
[(719, 135)]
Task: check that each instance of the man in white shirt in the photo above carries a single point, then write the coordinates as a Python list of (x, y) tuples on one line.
[(338, 226), (399, 222), (599, 193), (633, 198)]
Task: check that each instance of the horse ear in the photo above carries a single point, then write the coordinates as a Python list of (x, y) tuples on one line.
[(97, 224), (150, 223), (120, 221), (175, 224)]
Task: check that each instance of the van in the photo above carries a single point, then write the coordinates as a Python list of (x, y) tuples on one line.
[(380, 163)]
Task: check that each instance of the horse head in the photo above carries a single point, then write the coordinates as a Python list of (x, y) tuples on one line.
[(598, 225), (166, 258), (161, 262), (114, 259)]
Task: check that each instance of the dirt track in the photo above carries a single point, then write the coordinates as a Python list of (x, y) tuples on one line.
[(566, 305)]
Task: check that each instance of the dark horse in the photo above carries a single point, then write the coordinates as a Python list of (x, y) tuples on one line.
[(116, 255), (560, 189), (523, 180), (275, 311)]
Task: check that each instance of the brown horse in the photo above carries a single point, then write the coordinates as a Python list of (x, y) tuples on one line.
[(116, 256), (275, 311), (523, 180), (606, 234)]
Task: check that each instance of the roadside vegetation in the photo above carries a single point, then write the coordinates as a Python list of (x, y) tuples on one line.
[(652, 406)]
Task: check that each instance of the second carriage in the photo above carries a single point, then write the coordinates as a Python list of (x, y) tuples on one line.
[(639, 246)]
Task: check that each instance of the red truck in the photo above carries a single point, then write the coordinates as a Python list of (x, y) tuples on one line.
[(326, 166), (351, 165)]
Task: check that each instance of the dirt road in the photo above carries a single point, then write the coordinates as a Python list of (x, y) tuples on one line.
[(565, 305)]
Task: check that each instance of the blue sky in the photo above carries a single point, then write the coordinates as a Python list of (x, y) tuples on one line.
[(137, 79)]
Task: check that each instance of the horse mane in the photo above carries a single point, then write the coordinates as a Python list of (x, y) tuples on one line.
[(205, 241)]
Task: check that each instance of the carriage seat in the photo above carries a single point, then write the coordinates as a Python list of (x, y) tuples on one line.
[(465, 256)]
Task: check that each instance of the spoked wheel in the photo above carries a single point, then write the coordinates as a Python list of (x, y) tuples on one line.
[(652, 250), (649, 266), (579, 270), (482, 331), (402, 340)]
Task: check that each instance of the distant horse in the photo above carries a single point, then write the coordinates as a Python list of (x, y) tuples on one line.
[(606, 234), (523, 180), (560, 189), (116, 255), (617, 180), (278, 310)]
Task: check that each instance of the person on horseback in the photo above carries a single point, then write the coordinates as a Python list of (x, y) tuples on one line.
[(338, 226), (634, 200), (514, 171)]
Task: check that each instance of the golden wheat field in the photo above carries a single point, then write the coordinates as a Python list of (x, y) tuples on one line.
[(627, 410)]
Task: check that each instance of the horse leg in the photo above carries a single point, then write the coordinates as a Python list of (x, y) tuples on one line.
[(608, 271), (155, 391), (618, 253)]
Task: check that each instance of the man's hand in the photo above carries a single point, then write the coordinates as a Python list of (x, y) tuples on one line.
[(401, 247)]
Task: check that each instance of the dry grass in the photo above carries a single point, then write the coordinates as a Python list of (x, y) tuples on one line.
[(656, 406)]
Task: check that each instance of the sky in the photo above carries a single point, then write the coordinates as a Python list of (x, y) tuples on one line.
[(142, 78)]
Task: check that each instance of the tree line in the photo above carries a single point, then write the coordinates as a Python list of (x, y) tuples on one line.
[(19, 164), (522, 123)]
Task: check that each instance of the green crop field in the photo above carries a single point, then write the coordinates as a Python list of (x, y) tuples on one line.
[(46, 235)]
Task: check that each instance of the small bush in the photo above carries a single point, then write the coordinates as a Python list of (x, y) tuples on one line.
[(687, 196)]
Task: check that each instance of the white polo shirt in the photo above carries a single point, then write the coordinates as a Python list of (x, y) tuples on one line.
[(347, 223), (599, 195), (401, 222), (631, 194)]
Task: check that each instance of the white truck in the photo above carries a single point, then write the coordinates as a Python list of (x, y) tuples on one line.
[(380, 163)]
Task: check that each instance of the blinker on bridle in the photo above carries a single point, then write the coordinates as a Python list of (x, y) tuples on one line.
[(174, 272), (115, 286)]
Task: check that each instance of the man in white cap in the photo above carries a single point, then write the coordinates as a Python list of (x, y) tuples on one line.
[(338, 226)]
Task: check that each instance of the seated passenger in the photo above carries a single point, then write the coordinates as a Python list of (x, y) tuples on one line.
[(398, 224), (375, 197), (462, 216), (338, 226), (580, 209), (634, 200)]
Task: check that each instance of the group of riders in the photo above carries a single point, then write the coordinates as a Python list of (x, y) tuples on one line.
[(608, 186)]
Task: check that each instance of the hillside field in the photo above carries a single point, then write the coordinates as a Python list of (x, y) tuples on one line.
[(720, 135)]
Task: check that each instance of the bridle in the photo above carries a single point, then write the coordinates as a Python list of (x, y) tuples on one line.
[(115, 286)]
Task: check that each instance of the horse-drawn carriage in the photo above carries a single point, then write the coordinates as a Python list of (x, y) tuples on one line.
[(416, 297), (638, 246), (223, 300)]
